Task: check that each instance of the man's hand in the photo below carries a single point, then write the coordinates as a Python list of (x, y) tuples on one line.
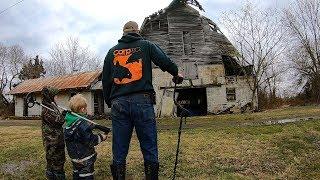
[(178, 79)]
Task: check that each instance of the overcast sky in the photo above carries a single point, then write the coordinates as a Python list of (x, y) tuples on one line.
[(37, 25)]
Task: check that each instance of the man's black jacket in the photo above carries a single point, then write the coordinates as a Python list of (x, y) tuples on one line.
[(128, 67)]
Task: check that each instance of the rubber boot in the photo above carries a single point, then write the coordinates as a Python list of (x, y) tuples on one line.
[(118, 171), (151, 170)]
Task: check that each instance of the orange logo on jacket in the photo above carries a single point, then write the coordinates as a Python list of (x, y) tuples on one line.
[(131, 68)]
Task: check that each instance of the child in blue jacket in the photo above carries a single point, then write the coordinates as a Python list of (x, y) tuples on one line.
[(80, 140)]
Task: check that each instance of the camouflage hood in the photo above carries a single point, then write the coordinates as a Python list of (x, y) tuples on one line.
[(48, 94)]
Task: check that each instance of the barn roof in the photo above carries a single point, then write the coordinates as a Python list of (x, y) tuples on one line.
[(82, 80)]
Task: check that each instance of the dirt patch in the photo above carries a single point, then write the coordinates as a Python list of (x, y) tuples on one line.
[(16, 168)]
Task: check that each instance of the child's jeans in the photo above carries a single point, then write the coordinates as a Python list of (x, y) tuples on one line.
[(128, 112), (84, 170)]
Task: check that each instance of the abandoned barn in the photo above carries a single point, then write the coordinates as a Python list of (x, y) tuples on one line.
[(214, 83)]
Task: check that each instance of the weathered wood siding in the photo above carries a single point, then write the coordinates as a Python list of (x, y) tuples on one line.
[(186, 36)]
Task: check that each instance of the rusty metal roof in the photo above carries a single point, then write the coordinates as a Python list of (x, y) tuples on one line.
[(72, 81)]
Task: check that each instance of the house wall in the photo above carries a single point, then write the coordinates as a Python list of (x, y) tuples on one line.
[(107, 110), (35, 110), (89, 96), (19, 107)]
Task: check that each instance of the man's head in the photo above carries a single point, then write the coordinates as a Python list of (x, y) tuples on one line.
[(131, 27), (78, 104)]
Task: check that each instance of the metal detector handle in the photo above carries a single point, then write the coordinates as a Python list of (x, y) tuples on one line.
[(177, 79), (104, 129)]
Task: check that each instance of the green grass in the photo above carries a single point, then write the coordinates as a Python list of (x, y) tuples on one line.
[(212, 147)]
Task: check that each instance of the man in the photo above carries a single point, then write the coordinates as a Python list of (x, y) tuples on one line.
[(52, 135), (128, 89)]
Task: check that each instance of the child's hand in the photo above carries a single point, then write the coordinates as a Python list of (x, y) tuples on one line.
[(104, 137)]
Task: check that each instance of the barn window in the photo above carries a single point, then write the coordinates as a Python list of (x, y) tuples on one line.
[(231, 79), (231, 94), (155, 25), (187, 47)]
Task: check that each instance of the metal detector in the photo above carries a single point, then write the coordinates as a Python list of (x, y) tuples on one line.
[(184, 114), (31, 101)]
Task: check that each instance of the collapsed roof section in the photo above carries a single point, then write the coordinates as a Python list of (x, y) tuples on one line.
[(177, 3), (233, 68)]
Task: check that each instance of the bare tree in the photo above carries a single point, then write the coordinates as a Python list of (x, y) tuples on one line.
[(16, 58), (11, 60), (302, 20), (69, 57), (3, 75), (256, 35)]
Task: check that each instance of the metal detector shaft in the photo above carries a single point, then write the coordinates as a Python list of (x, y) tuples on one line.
[(45, 107), (178, 148), (75, 114), (98, 126), (183, 114), (31, 101)]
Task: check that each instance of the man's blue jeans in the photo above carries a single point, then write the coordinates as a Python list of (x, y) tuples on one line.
[(128, 112)]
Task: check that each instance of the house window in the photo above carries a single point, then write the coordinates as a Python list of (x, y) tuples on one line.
[(231, 94)]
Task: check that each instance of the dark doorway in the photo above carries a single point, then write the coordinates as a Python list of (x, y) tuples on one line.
[(194, 100), (25, 107), (98, 103)]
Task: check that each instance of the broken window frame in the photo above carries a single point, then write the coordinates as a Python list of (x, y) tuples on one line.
[(231, 94), (231, 79)]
